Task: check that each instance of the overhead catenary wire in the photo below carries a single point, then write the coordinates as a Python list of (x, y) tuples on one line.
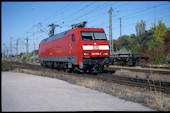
[(98, 14), (22, 33), (133, 13), (130, 24), (66, 8), (144, 10), (90, 12), (77, 11), (61, 13)]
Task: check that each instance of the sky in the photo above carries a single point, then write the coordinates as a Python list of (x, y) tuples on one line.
[(20, 19)]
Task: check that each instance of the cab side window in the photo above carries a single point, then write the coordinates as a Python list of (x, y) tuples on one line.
[(73, 38)]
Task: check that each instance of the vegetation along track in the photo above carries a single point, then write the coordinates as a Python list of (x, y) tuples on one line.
[(107, 76), (166, 66)]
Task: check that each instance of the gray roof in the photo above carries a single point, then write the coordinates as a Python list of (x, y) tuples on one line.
[(56, 36)]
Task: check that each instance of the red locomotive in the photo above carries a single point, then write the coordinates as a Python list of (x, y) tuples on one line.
[(78, 49)]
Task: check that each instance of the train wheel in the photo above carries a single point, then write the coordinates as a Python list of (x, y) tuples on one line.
[(87, 69), (45, 64), (51, 65), (55, 65), (74, 70), (93, 71), (60, 67)]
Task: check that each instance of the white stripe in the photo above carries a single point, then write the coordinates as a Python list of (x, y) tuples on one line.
[(106, 47), (87, 47), (90, 47)]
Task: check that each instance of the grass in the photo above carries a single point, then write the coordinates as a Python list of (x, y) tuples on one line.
[(158, 100)]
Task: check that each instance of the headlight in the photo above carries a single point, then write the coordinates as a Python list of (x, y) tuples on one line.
[(105, 53), (86, 53)]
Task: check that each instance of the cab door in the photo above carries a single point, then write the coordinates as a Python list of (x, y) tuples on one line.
[(73, 46), (72, 49)]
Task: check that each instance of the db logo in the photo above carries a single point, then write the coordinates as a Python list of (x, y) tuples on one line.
[(95, 47)]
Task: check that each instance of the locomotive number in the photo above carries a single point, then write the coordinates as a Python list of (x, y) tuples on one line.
[(97, 53)]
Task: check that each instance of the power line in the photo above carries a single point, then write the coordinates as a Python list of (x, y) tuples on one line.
[(158, 11), (66, 6), (96, 10), (92, 11), (145, 20), (77, 11), (134, 16), (63, 10), (144, 10)]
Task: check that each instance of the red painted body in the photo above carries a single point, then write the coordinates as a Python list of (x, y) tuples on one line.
[(64, 46)]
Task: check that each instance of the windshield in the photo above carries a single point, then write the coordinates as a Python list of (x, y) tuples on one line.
[(93, 36)]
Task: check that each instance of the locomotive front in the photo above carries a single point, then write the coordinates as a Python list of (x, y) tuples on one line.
[(95, 50)]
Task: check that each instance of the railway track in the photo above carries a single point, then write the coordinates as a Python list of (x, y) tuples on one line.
[(145, 70), (146, 66), (156, 67), (138, 82), (107, 76)]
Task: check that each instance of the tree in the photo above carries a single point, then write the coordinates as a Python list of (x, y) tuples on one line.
[(133, 45), (140, 27), (156, 45), (146, 37), (121, 42)]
